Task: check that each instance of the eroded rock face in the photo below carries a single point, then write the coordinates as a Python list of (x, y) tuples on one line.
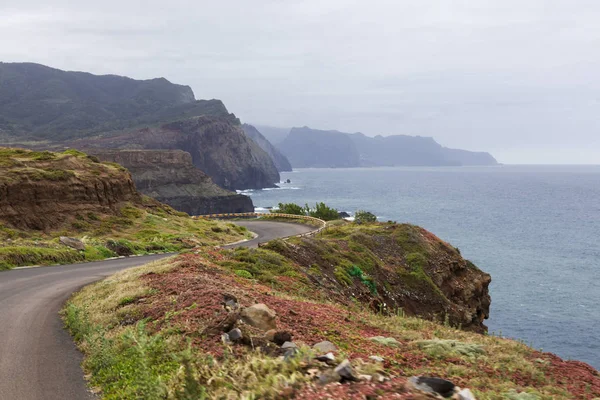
[(42, 194), (170, 177), (281, 161), (218, 147), (395, 268)]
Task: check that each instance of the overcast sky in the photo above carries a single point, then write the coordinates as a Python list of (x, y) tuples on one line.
[(518, 78)]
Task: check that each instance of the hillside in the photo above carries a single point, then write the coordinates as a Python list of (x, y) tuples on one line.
[(170, 177), (43, 103), (46, 108), (218, 147), (307, 147), (273, 134), (69, 207), (281, 162), (321, 318)]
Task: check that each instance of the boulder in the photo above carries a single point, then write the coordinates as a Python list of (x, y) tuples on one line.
[(259, 316), (235, 334), (72, 242), (324, 347), (432, 385), (328, 358), (329, 376), (345, 371)]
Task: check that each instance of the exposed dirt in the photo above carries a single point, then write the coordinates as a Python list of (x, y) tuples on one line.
[(41, 191)]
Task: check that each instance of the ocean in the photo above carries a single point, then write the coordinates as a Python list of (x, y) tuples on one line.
[(535, 229)]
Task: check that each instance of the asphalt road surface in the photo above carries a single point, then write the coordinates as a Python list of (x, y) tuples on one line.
[(38, 359), (268, 230)]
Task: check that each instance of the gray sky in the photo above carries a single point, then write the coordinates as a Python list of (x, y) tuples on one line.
[(518, 78)]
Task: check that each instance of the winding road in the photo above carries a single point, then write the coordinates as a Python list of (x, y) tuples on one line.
[(38, 359)]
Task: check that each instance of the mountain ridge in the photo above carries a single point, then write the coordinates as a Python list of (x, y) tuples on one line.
[(306, 147), (44, 108)]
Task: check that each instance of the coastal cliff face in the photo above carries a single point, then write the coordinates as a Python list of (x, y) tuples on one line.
[(391, 267), (218, 147), (170, 177), (307, 147), (281, 162), (43, 190), (42, 103), (46, 108)]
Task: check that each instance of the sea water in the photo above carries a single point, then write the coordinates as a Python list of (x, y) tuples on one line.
[(535, 229)]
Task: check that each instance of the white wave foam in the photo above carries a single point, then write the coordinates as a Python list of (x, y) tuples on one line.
[(283, 188)]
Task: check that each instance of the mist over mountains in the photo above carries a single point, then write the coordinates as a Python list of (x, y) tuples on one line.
[(306, 147)]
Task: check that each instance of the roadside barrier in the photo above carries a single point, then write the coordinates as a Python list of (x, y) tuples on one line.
[(267, 215)]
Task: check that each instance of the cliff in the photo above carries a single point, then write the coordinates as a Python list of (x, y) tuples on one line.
[(307, 147), (281, 162), (391, 267), (43, 103), (46, 108), (218, 147), (44, 190), (273, 134), (170, 177)]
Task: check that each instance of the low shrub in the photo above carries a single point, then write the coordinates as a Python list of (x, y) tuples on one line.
[(363, 217)]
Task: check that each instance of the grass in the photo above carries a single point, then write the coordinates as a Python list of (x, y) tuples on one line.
[(135, 231), (264, 265), (14, 256), (129, 356), (139, 227)]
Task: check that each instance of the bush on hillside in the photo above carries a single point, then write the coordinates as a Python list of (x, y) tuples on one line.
[(324, 212), (321, 211), (362, 217), (290, 208)]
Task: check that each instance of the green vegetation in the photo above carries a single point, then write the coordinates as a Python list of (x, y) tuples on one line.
[(14, 256), (364, 217), (130, 357), (264, 265), (321, 211), (364, 278), (445, 348), (290, 208), (133, 231)]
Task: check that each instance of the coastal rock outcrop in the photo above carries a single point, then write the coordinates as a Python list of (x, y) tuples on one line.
[(45, 108), (218, 147), (43, 190), (281, 162), (394, 268), (306, 147), (170, 177)]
